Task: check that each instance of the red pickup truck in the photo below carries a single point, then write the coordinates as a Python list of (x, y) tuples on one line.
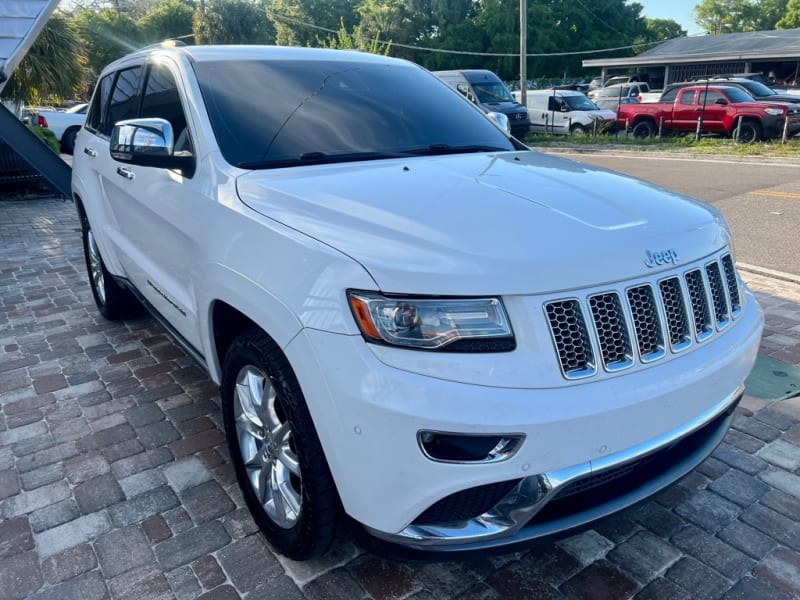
[(720, 107)]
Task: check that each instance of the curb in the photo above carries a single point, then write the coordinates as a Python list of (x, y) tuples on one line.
[(771, 273)]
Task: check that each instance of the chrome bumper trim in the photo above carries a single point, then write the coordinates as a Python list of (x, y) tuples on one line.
[(505, 521)]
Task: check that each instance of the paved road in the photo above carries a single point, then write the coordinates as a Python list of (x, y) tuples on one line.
[(760, 199)]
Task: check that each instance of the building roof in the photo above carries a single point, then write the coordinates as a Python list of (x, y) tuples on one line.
[(20, 22), (727, 47)]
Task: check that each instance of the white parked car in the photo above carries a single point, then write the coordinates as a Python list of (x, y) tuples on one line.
[(64, 124), (565, 112), (415, 321)]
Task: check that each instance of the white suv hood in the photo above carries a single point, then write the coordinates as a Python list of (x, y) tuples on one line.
[(508, 223)]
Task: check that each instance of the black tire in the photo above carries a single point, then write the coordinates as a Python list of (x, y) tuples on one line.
[(750, 132), (577, 130), (113, 301), (643, 129), (297, 510), (68, 140)]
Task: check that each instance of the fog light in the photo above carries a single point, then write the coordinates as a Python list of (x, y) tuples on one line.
[(468, 448)]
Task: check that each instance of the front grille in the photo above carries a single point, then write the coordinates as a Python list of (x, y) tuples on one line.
[(646, 317)]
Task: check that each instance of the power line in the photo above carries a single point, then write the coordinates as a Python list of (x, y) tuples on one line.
[(586, 8), (288, 19)]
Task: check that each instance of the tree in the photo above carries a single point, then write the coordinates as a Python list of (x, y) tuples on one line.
[(106, 36), (791, 19), (663, 29), (291, 18), (730, 16), (353, 41), (52, 69), (169, 19), (232, 22), (388, 18)]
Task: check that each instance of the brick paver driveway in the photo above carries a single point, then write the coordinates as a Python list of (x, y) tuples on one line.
[(115, 480)]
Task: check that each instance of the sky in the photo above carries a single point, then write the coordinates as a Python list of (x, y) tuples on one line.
[(677, 10)]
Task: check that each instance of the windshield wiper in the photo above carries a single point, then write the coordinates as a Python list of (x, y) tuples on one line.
[(435, 149), (317, 158)]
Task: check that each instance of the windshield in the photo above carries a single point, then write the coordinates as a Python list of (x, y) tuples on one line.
[(268, 114), (580, 103), (737, 95), (757, 89), (492, 92)]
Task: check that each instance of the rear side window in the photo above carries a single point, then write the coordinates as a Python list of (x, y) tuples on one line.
[(125, 97), (97, 111)]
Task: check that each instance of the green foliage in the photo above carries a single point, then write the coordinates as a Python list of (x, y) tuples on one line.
[(166, 20), (232, 22), (106, 35), (791, 19), (730, 16), (47, 136), (328, 14), (352, 41), (52, 69)]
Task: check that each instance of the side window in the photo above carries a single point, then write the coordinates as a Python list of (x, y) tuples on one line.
[(711, 98), (466, 91), (670, 95), (687, 97), (552, 103), (125, 97), (161, 99), (97, 110)]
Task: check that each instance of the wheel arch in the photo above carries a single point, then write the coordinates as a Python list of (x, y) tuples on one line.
[(241, 307)]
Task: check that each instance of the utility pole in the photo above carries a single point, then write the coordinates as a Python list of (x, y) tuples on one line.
[(523, 52)]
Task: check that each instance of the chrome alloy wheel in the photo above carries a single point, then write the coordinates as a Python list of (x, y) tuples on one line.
[(267, 447), (96, 267)]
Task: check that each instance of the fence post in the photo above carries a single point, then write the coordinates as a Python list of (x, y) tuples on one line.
[(627, 126), (785, 136), (697, 132), (738, 132), (594, 127), (660, 126)]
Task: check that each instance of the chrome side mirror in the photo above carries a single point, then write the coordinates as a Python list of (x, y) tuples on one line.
[(501, 121), (136, 138)]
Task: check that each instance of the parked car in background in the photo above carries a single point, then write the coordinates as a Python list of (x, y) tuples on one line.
[(722, 108), (756, 89), (489, 93), (611, 96), (565, 112), (420, 327), (64, 124)]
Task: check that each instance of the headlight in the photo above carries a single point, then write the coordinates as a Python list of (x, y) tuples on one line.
[(433, 323), (774, 111)]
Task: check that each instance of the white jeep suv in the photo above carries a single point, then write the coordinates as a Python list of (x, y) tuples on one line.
[(415, 320)]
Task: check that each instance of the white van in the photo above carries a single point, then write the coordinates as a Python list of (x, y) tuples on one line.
[(565, 112)]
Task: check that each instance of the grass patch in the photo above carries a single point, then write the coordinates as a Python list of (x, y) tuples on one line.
[(670, 144)]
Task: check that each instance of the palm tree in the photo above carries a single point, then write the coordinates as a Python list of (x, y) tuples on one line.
[(52, 70)]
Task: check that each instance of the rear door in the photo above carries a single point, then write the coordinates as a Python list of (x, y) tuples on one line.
[(685, 111)]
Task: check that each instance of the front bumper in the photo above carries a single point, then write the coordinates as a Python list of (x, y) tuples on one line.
[(368, 416)]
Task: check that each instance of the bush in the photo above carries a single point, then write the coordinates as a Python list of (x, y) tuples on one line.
[(47, 136)]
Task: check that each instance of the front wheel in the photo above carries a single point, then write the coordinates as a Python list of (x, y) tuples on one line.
[(749, 132), (113, 301), (643, 129), (577, 130), (275, 450)]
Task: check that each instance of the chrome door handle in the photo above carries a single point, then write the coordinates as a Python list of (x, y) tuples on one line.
[(90, 151), (126, 173)]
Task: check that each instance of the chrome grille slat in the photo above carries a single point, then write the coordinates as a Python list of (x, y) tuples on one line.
[(571, 338), (700, 309), (733, 285), (718, 297), (678, 326), (645, 321), (611, 329)]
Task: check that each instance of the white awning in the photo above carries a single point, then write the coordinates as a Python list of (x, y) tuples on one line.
[(21, 21)]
